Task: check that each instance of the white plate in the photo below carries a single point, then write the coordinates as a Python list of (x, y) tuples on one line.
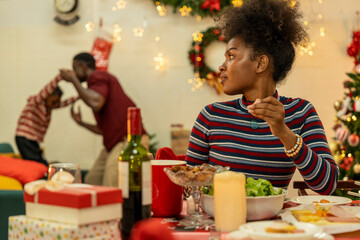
[(239, 235), (334, 200), (256, 230)]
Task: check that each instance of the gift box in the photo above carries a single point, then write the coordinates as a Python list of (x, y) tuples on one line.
[(25, 228), (76, 203)]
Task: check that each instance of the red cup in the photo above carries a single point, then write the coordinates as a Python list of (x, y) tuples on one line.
[(167, 197)]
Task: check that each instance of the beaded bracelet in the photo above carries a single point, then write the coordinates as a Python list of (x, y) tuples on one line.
[(296, 149)]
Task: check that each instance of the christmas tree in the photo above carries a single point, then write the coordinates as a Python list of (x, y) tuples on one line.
[(345, 147)]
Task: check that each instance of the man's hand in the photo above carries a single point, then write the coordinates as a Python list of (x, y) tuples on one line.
[(76, 116), (68, 75)]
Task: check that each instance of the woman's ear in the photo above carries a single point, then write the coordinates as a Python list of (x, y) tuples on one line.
[(263, 62)]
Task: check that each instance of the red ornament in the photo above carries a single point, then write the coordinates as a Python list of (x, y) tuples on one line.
[(197, 48), (353, 140), (341, 134), (354, 47), (221, 38), (212, 4), (346, 164), (216, 31), (356, 106)]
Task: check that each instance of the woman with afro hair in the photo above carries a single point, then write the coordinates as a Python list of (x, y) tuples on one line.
[(263, 134)]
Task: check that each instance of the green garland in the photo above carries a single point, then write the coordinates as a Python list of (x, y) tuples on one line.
[(196, 56), (203, 8)]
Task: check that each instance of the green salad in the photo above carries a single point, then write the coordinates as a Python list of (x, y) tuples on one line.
[(254, 188)]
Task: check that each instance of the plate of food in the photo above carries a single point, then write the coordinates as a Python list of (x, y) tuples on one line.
[(277, 229), (321, 200)]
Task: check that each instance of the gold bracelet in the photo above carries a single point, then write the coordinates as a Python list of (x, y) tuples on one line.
[(292, 155), (296, 149), (298, 139)]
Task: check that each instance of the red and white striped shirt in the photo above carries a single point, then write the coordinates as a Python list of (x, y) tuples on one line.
[(34, 119)]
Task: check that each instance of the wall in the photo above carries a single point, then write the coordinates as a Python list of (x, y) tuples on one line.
[(33, 47)]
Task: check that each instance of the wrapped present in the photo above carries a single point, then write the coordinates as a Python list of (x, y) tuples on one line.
[(24, 228), (75, 203)]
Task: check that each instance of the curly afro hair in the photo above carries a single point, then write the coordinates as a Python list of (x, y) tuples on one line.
[(268, 27)]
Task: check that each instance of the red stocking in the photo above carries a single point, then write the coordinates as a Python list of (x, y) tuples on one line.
[(101, 51)]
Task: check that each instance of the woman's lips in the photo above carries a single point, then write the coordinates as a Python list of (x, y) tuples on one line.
[(223, 79)]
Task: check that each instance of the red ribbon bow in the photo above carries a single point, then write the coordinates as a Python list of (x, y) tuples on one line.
[(212, 4)]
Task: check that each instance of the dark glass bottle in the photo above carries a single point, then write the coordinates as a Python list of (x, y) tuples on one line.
[(134, 176)]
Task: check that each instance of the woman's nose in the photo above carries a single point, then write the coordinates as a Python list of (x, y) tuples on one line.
[(221, 67)]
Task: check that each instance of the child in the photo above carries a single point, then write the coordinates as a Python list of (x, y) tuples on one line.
[(262, 134), (35, 119)]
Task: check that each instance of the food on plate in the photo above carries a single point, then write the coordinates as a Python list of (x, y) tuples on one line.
[(322, 201), (254, 188), (319, 217), (321, 212), (283, 227)]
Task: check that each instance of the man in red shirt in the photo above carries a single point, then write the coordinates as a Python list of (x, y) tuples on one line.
[(109, 103)]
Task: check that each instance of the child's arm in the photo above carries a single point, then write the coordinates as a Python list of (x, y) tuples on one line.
[(47, 90), (68, 101)]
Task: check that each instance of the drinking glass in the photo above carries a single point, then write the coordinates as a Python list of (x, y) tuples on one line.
[(72, 168)]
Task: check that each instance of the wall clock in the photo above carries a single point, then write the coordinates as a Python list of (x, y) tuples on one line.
[(66, 11)]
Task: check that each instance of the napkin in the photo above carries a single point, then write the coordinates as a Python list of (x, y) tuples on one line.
[(151, 229), (168, 154)]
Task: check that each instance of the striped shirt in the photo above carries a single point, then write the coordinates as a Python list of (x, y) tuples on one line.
[(222, 135), (34, 119)]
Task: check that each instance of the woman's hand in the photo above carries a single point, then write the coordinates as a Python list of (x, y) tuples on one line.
[(76, 116), (272, 111)]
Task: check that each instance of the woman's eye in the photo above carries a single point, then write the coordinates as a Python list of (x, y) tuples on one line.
[(231, 56)]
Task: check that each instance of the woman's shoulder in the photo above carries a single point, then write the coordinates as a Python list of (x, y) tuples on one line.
[(222, 105), (290, 102)]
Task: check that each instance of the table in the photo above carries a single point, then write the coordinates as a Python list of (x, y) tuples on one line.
[(205, 236)]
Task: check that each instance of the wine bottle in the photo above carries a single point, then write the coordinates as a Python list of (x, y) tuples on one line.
[(134, 176)]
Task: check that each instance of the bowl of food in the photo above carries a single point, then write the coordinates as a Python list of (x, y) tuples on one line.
[(207, 200), (263, 201), (201, 175)]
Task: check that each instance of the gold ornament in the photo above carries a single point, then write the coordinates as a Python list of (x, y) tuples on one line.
[(337, 105), (356, 168), (337, 158), (334, 146)]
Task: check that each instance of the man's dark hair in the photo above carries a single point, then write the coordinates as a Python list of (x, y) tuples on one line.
[(268, 27), (87, 58), (57, 91)]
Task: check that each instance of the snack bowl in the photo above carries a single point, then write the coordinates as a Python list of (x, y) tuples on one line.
[(257, 208), (190, 176)]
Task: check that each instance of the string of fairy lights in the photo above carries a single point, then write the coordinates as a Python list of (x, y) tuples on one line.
[(186, 11)]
